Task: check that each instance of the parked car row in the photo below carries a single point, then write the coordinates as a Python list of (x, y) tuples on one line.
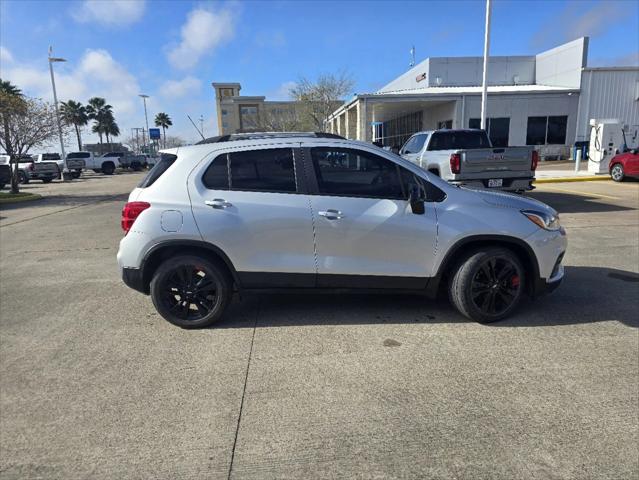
[(48, 166)]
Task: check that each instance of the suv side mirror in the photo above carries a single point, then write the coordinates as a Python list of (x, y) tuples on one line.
[(416, 199)]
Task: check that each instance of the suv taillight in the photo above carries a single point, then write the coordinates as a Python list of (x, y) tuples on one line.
[(535, 160), (130, 212), (455, 163)]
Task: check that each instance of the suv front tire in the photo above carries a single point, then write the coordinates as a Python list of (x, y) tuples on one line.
[(191, 291), (487, 285)]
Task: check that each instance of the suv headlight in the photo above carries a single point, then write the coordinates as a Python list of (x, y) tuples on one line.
[(543, 220)]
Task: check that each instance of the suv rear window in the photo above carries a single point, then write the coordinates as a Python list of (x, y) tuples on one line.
[(269, 170), (50, 156), (458, 140), (166, 160)]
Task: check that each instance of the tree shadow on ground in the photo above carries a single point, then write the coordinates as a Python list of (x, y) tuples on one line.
[(583, 203), (587, 295)]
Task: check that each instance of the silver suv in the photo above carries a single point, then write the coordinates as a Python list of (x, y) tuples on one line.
[(311, 211)]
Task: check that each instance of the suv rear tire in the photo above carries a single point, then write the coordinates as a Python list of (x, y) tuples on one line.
[(487, 285), (191, 291)]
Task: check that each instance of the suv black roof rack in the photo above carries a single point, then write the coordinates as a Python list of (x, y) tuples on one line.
[(258, 135)]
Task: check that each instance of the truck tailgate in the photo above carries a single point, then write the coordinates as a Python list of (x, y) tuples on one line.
[(75, 163), (496, 162), (46, 167)]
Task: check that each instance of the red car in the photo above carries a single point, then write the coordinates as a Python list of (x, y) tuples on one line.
[(624, 165)]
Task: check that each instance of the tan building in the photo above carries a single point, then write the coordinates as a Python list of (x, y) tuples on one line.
[(238, 113)]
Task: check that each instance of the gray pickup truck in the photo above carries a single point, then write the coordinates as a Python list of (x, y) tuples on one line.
[(466, 157), (29, 170)]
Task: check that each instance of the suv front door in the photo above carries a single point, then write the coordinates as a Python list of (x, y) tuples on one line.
[(366, 232), (253, 206)]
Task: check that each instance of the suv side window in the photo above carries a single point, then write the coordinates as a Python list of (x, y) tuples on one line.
[(263, 171), (356, 173), (269, 170), (216, 176)]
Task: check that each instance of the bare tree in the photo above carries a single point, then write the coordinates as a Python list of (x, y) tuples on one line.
[(319, 99), (173, 141), (286, 118), (34, 126)]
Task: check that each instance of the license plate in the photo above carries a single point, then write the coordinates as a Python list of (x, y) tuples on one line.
[(495, 182)]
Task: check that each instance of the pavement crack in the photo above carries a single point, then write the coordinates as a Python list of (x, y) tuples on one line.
[(248, 366)]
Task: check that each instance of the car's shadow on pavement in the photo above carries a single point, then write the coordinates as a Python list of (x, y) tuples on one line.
[(583, 203), (588, 295)]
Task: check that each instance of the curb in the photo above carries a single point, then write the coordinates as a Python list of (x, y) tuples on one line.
[(4, 200), (590, 178)]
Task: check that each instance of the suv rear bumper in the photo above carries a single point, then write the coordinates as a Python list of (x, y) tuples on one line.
[(132, 277)]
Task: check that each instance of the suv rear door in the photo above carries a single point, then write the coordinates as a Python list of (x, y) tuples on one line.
[(366, 232), (253, 205)]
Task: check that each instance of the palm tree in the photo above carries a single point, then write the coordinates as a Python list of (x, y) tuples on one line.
[(110, 126), (75, 114), (98, 110), (11, 103), (163, 120)]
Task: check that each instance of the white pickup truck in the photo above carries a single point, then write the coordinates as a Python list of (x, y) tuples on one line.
[(29, 170), (75, 166), (104, 164), (466, 157)]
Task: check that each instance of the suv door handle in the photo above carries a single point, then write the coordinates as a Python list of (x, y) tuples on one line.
[(331, 214), (218, 203)]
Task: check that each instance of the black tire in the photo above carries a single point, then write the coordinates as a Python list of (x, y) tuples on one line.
[(2, 185), (108, 168), (47, 180), (22, 178), (97, 170), (136, 167), (76, 174), (617, 173), (178, 278), (488, 284)]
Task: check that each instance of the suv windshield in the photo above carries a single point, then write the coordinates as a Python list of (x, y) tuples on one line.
[(459, 140)]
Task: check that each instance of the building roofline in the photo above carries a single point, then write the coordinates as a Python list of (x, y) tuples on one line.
[(224, 84), (613, 68)]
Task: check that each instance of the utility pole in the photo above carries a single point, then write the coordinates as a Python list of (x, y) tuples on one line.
[(484, 89), (137, 138), (65, 170), (146, 118), (202, 124)]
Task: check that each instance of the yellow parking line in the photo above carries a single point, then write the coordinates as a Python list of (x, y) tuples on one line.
[(583, 194)]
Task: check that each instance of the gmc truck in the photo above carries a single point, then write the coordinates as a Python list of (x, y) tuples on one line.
[(466, 157), (29, 170)]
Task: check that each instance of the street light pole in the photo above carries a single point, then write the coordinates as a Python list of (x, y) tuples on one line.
[(146, 118), (484, 90), (202, 124), (65, 170)]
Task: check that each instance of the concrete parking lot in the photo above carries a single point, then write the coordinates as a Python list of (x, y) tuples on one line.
[(94, 384)]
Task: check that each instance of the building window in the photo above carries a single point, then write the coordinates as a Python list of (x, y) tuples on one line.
[(225, 112), (226, 92), (447, 124), (498, 129), (248, 117), (225, 124), (557, 130), (394, 133), (546, 130)]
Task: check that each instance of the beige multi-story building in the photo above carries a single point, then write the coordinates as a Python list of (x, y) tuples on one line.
[(239, 113)]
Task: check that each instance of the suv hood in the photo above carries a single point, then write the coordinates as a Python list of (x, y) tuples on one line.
[(509, 200)]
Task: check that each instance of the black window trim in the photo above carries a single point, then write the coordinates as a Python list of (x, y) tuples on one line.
[(298, 167)]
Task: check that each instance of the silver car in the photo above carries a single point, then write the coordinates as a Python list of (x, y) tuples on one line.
[(309, 212)]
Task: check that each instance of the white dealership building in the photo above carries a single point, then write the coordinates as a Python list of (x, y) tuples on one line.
[(545, 100)]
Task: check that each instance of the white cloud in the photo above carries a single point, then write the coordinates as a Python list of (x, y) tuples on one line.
[(5, 55), (97, 74), (575, 21), (202, 33), (111, 13), (179, 88), (283, 92)]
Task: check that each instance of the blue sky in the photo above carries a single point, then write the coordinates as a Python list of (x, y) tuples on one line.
[(173, 50)]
